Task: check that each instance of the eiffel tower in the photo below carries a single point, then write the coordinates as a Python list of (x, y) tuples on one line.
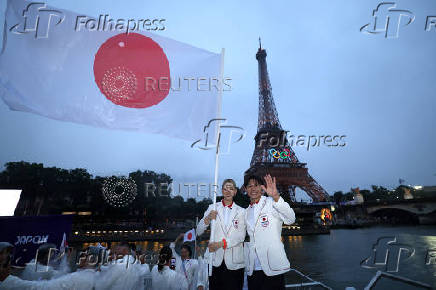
[(272, 153)]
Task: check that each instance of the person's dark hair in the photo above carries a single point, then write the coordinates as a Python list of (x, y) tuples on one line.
[(124, 244), (253, 177), (165, 255), (188, 248), (97, 253), (132, 246), (7, 249)]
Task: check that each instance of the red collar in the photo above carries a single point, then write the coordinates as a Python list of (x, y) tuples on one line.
[(229, 206), (253, 203)]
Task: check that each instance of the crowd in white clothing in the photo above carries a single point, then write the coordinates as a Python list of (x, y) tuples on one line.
[(123, 271), (258, 264)]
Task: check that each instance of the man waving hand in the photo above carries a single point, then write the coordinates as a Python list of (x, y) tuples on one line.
[(266, 260)]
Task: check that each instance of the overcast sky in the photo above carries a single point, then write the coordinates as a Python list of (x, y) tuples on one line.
[(327, 77)]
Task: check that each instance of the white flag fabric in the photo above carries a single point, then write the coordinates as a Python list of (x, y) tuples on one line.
[(64, 244), (10, 198), (88, 70), (189, 236)]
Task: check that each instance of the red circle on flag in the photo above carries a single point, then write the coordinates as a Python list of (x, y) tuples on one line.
[(189, 236), (132, 70)]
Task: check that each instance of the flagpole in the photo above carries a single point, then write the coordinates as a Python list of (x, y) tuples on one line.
[(195, 242), (217, 138)]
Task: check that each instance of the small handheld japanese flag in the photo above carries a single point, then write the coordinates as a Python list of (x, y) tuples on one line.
[(189, 236), (64, 244)]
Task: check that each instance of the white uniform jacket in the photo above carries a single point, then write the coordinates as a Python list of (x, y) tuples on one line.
[(80, 280), (34, 271), (123, 274), (265, 236), (168, 279), (233, 232), (202, 273), (190, 269)]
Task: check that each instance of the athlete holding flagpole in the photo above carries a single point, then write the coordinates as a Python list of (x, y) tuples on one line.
[(227, 250), (217, 151)]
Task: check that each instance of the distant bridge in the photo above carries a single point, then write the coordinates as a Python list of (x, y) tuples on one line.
[(424, 209)]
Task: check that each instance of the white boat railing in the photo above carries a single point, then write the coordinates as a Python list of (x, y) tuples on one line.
[(310, 282), (380, 274)]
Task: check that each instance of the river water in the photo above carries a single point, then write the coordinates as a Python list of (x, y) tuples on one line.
[(335, 259)]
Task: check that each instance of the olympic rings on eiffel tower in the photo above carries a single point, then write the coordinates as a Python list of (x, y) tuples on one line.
[(280, 155)]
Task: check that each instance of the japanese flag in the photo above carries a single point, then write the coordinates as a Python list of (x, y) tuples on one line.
[(89, 70), (189, 236)]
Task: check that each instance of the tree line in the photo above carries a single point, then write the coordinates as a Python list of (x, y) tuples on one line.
[(52, 190), (55, 190)]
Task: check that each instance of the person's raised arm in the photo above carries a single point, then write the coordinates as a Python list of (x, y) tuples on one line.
[(281, 209), (173, 246), (204, 223)]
